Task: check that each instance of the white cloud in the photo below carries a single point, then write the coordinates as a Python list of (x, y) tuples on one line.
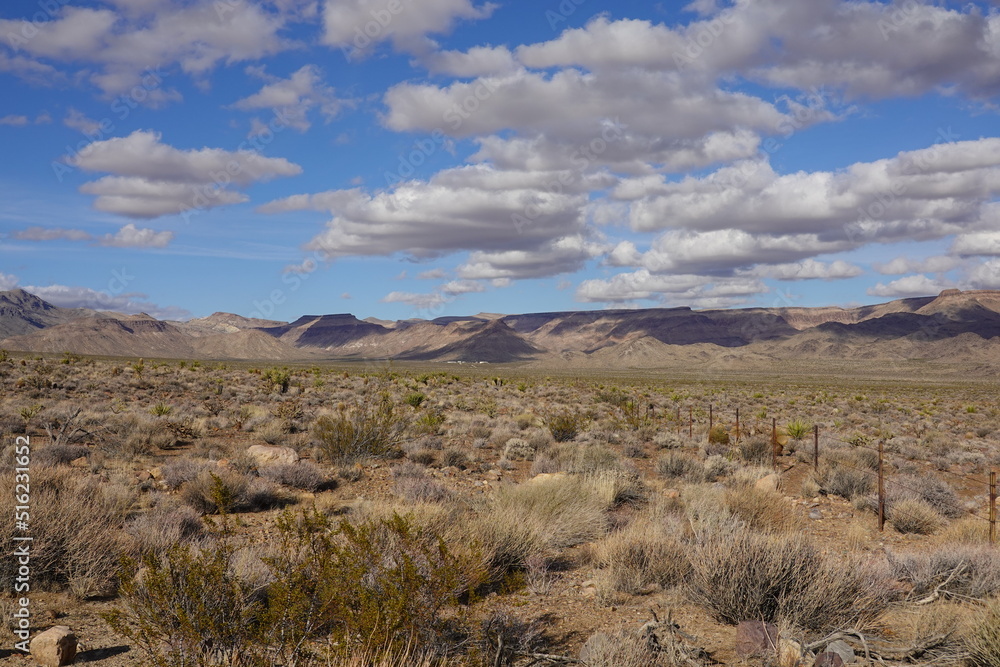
[(477, 61), (564, 255), (984, 276), (677, 289), (76, 120), (50, 234), (11, 119), (463, 208), (909, 286), (976, 243), (153, 179), (456, 287), (808, 269), (432, 274), (125, 46), (131, 237), (7, 281), (430, 301), (902, 265), (357, 25), (293, 97)]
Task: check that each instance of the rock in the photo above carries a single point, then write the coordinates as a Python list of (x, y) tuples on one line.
[(815, 514), (272, 455), (768, 483), (756, 639), (144, 476), (843, 649), (828, 660), (54, 647), (789, 653), (156, 472)]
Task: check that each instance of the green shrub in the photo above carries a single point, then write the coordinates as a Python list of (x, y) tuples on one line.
[(797, 429), (564, 426), (366, 430), (381, 585), (718, 435), (415, 399)]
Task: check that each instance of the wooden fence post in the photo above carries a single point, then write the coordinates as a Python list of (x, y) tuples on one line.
[(993, 507), (711, 422), (774, 442), (881, 489), (816, 447), (737, 425)]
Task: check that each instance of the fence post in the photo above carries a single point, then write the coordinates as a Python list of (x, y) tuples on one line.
[(774, 442), (711, 422), (816, 447), (737, 425), (881, 489), (679, 425), (690, 422), (993, 507)]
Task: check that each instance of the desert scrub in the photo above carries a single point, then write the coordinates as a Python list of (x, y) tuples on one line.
[(301, 475), (380, 585), (760, 509), (916, 516), (370, 429), (565, 426), (742, 575), (646, 552), (970, 571), (223, 492), (78, 530), (676, 465), (539, 517), (983, 640)]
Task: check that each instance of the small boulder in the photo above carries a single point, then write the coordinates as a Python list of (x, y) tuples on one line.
[(55, 647), (756, 639), (828, 659), (843, 649), (769, 482), (266, 455)]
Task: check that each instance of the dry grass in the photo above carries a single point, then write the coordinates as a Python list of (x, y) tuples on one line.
[(647, 552)]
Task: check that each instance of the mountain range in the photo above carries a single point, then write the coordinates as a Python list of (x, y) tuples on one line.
[(952, 327)]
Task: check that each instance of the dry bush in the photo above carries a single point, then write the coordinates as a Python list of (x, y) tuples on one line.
[(934, 491), (756, 450), (761, 510), (676, 465), (634, 648), (742, 575), (983, 641), (970, 530), (717, 466), (847, 482), (539, 517), (913, 515), (301, 475), (412, 483), (180, 471), (53, 455), (224, 491), (369, 429), (77, 525), (518, 449), (970, 571), (648, 551), (164, 525)]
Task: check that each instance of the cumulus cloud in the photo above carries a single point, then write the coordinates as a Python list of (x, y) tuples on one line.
[(76, 120), (508, 219), (477, 61), (902, 265), (11, 119), (293, 97), (124, 46), (7, 281), (456, 287), (985, 275), (130, 236), (357, 25), (678, 289), (977, 243), (909, 286), (564, 255), (429, 301), (808, 269), (151, 178)]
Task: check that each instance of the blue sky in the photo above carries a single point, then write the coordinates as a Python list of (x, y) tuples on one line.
[(420, 158)]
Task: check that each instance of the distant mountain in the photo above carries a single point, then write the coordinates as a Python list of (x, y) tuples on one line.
[(953, 327), (22, 313)]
